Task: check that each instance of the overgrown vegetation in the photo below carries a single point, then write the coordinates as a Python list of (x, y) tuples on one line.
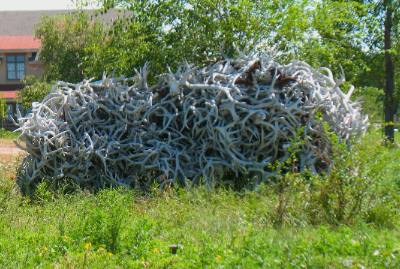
[(348, 219)]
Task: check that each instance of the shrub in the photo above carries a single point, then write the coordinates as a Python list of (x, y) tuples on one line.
[(34, 91), (357, 187)]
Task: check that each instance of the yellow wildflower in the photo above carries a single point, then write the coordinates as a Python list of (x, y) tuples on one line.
[(218, 258), (66, 238), (88, 246)]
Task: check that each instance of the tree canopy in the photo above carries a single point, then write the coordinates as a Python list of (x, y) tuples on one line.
[(340, 35)]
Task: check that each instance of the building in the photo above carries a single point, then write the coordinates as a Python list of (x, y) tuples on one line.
[(19, 51), (18, 58)]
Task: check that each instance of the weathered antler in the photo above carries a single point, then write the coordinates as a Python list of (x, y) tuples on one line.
[(236, 116)]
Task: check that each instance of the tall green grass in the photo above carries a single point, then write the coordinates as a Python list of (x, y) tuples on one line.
[(348, 219), (6, 134)]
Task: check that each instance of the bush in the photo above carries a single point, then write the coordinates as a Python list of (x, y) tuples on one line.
[(357, 187), (34, 91)]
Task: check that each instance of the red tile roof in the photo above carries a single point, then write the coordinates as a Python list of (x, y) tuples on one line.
[(9, 95), (19, 42), (17, 23)]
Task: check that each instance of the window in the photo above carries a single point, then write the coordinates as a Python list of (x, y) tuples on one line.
[(33, 57), (15, 67)]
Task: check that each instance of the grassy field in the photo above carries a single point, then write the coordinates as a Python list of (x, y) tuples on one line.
[(349, 219)]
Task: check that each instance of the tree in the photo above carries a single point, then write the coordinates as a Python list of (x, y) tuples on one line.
[(361, 37), (383, 43), (64, 40), (168, 33), (389, 102), (331, 33), (335, 38)]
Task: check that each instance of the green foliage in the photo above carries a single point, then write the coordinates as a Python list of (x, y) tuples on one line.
[(3, 115), (34, 91), (327, 33), (167, 33), (64, 39), (3, 109), (371, 99), (345, 194), (349, 218), (6, 134), (336, 38), (164, 33)]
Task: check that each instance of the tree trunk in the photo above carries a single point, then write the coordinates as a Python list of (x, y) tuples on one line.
[(389, 102)]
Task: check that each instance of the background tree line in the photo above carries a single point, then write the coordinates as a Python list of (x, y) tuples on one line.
[(335, 34)]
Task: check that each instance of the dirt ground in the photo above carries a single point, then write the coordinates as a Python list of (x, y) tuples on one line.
[(7, 146), (10, 157)]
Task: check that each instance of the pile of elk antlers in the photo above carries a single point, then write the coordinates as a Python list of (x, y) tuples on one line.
[(231, 119)]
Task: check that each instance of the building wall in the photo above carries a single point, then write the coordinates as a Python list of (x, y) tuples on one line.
[(31, 68)]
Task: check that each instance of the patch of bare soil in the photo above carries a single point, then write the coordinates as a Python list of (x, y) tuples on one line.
[(10, 157)]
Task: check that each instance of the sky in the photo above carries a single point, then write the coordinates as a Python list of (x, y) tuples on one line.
[(36, 4)]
